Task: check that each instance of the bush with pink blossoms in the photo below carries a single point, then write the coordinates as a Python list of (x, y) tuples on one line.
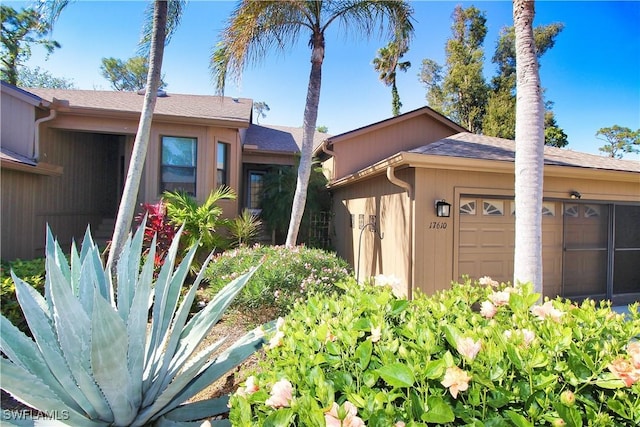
[(367, 358)]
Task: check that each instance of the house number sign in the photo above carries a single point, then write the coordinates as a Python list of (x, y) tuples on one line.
[(437, 225)]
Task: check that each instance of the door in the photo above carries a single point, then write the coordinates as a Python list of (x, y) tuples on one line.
[(602, 252)]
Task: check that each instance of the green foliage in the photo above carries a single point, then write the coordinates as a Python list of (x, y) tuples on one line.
[(500, 117), (37, 77), (129, 75), (277, 199), (289, 274), (31, 272), (244, 229), (129, 359), (20, 30), (619, 140), (202, 223), (387, 62), (261, 109), (472, 355), (461, 93)]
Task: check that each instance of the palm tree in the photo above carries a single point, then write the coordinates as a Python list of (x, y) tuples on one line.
[(257, 26), (386, 63), (134, 173), (529, 161)]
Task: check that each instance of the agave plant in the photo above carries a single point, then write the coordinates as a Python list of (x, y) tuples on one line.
[(127, 358)]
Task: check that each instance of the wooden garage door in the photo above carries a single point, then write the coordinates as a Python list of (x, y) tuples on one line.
[(487, 236)]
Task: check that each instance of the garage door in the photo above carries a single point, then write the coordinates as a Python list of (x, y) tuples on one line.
[(487, 236)]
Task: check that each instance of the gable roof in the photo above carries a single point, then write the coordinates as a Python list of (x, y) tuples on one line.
[(22, 94), (284, 139), (473, 146), (199, 107)]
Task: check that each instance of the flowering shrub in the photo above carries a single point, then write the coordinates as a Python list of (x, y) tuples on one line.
[(471, 355), (158, 224), (287, 275)]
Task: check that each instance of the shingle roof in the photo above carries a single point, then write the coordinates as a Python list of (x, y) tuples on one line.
[(474, 146), (279, 138), (175, 105)]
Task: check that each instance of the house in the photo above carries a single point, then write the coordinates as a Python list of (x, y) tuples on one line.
[(65, 154), (388, 180)]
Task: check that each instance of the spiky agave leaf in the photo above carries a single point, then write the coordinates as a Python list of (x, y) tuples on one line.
[(93, 354)]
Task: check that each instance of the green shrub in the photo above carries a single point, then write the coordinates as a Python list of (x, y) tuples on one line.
[(472, 355), (288, 274), (31, 272)]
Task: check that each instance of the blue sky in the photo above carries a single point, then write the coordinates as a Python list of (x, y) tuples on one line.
[(592, 74)]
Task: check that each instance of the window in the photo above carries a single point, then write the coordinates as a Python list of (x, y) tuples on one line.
[(256, 183), (467, 206), (179, 164), (222, 177), (493, 207)]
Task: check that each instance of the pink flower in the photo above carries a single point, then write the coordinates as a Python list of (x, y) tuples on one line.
[(399, 424), (547, 310), (487, 309), (332, 417), (330, 337), (528, 336), (624, 370), (486, 280), (376, 334), (499, 298), (468, 347), (276, 340), (281, 395), (455, 379), (250, 387), (633, 349)]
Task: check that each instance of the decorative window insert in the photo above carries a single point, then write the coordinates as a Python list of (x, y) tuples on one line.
[(178, 169), (571, 211), (222, 177), (493, 207), (467, 206), (591, 211)]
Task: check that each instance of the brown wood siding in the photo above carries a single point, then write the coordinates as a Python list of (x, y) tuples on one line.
[(18, 118), (392, 207), (361, 151), (17, 198)]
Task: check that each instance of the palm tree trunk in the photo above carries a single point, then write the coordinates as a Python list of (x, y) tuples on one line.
[(132, 184), (309, 124), (529, 158)]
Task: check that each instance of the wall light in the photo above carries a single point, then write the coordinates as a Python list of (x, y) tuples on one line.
[(443, 209), (575, 195)]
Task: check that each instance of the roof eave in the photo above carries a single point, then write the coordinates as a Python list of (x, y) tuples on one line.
[(480, 165)]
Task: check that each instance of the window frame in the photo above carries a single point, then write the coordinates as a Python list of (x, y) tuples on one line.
[(163, 187)]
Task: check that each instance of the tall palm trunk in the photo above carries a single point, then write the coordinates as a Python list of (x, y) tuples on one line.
[(132, 184), (529, 161), (309, 124)]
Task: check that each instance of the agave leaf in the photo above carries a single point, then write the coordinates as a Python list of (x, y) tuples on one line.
[(22, 351), (216, 368), (170, 301), (162, 281), (34, 296), (175, 387), (55, 255), (199, 410), (76, 265), (42, 329), (73, 329), (109, 346), (174, 360), (103, 284), (202, 322), (137, 325), (88, 290), (29, 389), (128, 277)]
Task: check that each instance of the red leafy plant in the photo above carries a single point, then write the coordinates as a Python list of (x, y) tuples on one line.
[(157, 225)]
